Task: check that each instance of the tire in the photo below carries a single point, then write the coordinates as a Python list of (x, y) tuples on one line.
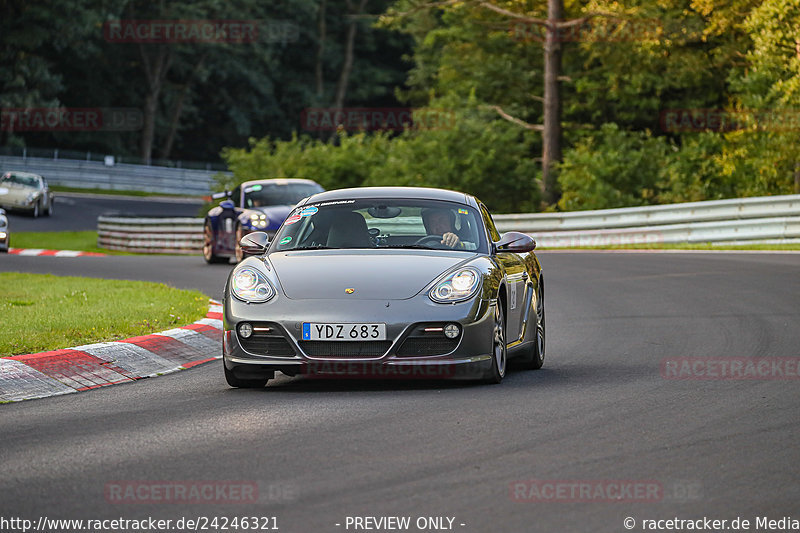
[(499, 348), (535, 358), (239, 383), (239, 253), (208, 245), (49, 211), (35, 212)]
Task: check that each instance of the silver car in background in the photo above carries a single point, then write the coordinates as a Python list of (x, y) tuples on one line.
[(384, 282), (26, 192)]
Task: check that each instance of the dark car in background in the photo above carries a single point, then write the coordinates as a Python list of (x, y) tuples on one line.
[(257, 205), (24, 191)]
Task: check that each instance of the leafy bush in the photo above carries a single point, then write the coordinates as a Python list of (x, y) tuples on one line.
[(612, 168), (473, 153)]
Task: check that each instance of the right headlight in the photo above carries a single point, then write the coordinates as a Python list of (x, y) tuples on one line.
[(250, 285), (459, 285)]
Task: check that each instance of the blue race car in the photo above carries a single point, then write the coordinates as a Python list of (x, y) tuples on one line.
[(258, 205)]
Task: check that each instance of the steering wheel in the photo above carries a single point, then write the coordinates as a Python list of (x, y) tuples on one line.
[(432, 239)]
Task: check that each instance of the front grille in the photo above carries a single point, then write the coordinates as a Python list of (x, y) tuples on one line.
[(344, 349), (267, 339), (432, 342), (416, 346)]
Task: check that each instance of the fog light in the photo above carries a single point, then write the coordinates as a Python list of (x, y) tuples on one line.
[(451, 331), (2, 235), (245, 330)]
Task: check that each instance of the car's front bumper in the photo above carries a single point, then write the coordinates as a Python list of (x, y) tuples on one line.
[(469, 358), (17, 205)]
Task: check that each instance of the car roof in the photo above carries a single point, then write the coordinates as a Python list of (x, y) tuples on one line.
[(417, 193), (281, 181)]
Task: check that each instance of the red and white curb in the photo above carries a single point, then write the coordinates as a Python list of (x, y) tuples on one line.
[(52, 253), (39, 375)]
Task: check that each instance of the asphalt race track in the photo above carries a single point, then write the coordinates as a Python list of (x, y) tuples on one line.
[(599, 413), (79, 211)]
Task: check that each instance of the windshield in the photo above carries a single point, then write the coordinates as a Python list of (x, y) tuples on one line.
[(264, 194), (18, 179), (382, 223)]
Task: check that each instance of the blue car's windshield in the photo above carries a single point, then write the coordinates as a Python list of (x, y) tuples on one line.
[(382, 223), (265, 194)]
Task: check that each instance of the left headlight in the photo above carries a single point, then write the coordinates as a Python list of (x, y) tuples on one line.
[(31, 197), (459, 285), (250, 285)]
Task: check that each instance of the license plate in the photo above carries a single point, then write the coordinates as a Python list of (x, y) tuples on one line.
[(343, 332)]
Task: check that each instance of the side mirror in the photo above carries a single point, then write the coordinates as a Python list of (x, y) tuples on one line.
[(227, 204), (254, 243), (515, 242)]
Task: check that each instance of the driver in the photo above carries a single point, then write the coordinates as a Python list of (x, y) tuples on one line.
[(441, 221)]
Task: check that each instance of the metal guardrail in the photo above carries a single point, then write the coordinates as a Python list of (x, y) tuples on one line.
[(772, 219), (120, 176), (654, 215), (150, 235)]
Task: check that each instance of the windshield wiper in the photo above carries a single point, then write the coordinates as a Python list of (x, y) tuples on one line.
[(319, 247)]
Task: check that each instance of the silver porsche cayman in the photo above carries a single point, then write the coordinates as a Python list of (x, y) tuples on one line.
[(384, 282)]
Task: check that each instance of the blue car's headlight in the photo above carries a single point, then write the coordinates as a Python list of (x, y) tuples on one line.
[(250, 285), (259, 220), (459, 285)]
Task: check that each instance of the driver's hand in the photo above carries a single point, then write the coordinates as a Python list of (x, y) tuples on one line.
[(450, 240)]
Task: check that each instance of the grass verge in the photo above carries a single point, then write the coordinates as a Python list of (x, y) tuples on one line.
[(43, 312), (120, 192), (81, 241)]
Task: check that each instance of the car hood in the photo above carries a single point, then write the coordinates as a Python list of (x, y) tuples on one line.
[(15, 194), (374, 275)]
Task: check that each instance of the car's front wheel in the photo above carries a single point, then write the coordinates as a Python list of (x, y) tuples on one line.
[(208, 245), (49, 211), (535, 357), (499, 349), (240, 383), (35, 212)]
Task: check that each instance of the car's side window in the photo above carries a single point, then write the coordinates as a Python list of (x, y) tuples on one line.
[(236, 196), (489, 223)]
